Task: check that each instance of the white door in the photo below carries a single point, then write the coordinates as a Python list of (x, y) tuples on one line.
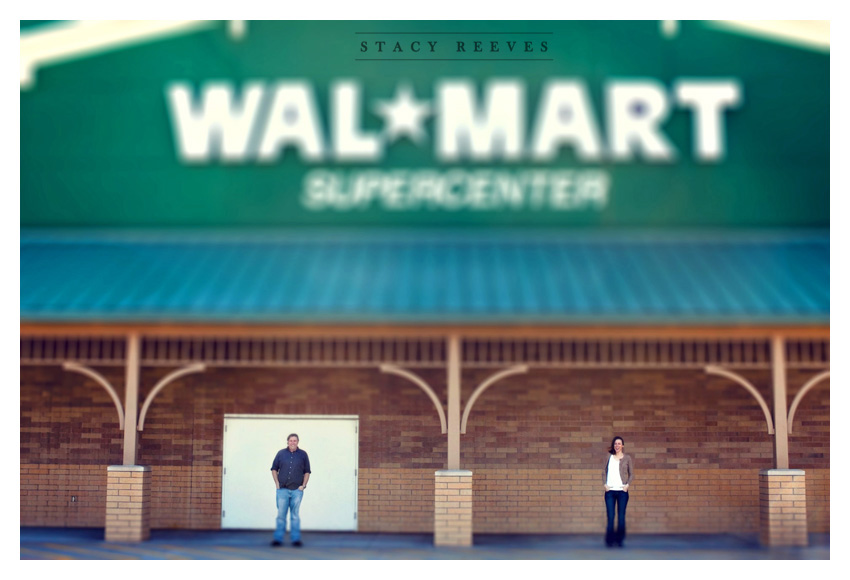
[(250, 445)]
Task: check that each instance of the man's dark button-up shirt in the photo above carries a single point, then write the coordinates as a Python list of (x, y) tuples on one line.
[(291, 467)]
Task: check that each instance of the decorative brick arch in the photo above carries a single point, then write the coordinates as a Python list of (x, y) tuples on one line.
[(810, 384), (426, 388), (713, 370), (101, 380), (515, 370), (164, 382)]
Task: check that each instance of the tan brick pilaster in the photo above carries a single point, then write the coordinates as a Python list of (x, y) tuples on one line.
[(128, 503), (782, 507), (453, 508)]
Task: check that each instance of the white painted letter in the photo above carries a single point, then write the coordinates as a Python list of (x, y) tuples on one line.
[(293, 119), (708, 99), (462, 130), (566, 116), (218, 126), (348, 142), (635, 109)]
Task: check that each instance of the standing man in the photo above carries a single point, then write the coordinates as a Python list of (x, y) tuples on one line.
[(291, 471)]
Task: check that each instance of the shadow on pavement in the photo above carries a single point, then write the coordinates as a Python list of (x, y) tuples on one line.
[(89, 544)]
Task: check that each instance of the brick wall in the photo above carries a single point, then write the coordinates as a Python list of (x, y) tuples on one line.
[(65, 415), (669, 420), (395, 500), (808, 443), (543, 433), (186, 497), (571, 501), (817, 499), (783, 507), (128, 503), (453, 508), (47, 492)]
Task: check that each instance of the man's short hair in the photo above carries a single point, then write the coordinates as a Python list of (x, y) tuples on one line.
[(291, 435)]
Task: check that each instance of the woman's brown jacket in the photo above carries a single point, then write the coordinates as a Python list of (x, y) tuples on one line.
[(627, 470)]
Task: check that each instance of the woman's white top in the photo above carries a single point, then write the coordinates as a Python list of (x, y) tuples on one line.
[(614, 482)]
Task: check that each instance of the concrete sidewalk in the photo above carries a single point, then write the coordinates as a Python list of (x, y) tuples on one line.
[(88, 544)]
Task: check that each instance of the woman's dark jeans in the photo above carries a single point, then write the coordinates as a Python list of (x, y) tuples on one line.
[(620, 499)]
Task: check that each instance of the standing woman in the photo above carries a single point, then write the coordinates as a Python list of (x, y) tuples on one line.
[(617, 474)]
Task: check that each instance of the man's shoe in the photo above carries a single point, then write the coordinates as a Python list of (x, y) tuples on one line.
[(297, 543), (276, 543)]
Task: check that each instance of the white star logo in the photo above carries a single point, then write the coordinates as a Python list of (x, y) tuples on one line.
[(404, 115)]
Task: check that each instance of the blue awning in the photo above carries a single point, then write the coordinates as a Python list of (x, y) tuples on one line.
[(425, 277)]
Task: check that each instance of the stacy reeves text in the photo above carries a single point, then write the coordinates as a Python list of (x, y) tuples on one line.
[(458, 46)]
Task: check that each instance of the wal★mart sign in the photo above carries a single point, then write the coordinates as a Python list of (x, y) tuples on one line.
[(260, 123), (257, 124), (558, 124)]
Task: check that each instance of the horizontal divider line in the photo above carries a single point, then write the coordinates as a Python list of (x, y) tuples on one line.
[(454, 33), (458, 59)]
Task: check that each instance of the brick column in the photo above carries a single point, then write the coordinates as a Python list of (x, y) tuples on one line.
[(128, 503), (453, 508), (782, 507)]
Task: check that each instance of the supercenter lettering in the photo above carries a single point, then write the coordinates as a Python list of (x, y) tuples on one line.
[(456, 189)]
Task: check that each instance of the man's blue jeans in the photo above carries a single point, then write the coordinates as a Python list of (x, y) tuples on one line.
[(288, 500), (618, 499)]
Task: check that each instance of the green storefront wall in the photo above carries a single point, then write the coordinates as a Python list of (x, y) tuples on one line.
[(100, 143)]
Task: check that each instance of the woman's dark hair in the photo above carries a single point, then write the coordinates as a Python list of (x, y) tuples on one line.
[(611, 449)]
